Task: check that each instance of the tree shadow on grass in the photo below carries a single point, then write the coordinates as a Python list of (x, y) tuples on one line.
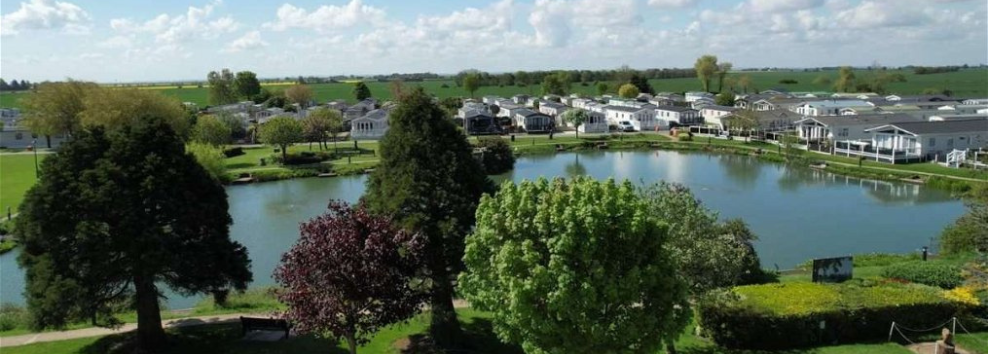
[(224, 338), (478, 338)]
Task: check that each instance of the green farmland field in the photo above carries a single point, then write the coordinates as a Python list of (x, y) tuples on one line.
[(964, 83)]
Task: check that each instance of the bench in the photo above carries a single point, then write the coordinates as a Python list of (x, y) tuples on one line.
[(263, 324)]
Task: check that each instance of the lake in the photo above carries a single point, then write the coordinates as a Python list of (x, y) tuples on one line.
[(798, 213)]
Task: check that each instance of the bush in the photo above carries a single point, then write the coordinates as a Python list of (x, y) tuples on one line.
[(939, 274), (304, 158), (788, 82), (233, 152), (12, 317), (785, 316), (211, 158), (497, 157)]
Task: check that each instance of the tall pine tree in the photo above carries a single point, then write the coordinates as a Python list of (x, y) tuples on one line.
[(430, 182)]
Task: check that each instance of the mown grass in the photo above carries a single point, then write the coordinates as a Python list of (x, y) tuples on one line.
[(964, 83), (17, 175)]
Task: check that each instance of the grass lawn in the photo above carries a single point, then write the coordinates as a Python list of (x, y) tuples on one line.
[(16, 177), (408, 336), (964, 83), (977, 342)]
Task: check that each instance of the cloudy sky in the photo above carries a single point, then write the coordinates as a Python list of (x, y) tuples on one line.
[(144, 40)]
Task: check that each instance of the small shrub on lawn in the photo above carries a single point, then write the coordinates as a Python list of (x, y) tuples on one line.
[(12, 317), (939, 274), (305, 158), (233, 152)]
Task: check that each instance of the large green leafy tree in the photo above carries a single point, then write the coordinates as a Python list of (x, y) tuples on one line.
[(361, 91), (710, 254), (210, 130), (706, 67), (429, 180), (577, 266), (222, 87), (471, 83), (282, 132), (116, 217), (56, 107), (246, 85), (556, 84)]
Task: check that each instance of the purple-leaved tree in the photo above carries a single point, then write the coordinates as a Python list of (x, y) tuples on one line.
[(350, 274)]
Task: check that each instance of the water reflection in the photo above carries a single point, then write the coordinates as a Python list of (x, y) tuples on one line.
[(743, 170), (798, 213), (575, 168)]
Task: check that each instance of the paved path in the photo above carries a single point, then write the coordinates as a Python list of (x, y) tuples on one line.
[(26, 339)]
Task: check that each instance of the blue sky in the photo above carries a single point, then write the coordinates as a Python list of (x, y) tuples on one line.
[(125, 41)]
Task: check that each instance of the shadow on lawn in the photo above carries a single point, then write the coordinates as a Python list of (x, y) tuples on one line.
[(225, 338), (479, 338)]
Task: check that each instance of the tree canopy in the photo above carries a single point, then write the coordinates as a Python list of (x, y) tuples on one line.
[(556, 84), (361, 91), (222, 87), (710, 254), (628, 91), (577, 266), (211, 131), (319, 124), (969, 233), (134, 213), (576, 117), (471, 83), (299, 94), (114, 108), (56, 107), (246, 85), (282, 132), (350, 274), (429, 180), (706, 67)]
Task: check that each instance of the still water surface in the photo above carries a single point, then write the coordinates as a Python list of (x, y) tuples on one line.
[(797, 213)]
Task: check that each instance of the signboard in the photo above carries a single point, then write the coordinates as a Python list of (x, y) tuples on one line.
[(833, 270)]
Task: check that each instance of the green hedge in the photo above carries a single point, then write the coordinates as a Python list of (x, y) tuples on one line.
[(785, 316), (939, 274)]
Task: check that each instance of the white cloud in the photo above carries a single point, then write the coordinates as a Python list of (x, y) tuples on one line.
[(195, 23), (250, 40), (672, 4), (554, 20), (875, 14), (783, 5), (45, 14), (116, 42), (326, 17)]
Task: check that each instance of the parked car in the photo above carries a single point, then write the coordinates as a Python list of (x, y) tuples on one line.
[(626, 126)]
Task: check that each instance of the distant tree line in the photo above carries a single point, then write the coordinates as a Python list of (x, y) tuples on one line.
[(525, 78), (923, 70), (15, 85)]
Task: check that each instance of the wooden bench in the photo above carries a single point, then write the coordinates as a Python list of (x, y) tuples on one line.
[(263, 324)]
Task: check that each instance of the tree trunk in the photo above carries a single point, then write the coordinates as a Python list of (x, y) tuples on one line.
[(48, 140), (150, 335), (284, 154), (670, 348), (351, 341), (577, 131), (445, 327)]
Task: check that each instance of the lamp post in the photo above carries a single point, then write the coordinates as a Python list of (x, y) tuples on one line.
[(34, 146)]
